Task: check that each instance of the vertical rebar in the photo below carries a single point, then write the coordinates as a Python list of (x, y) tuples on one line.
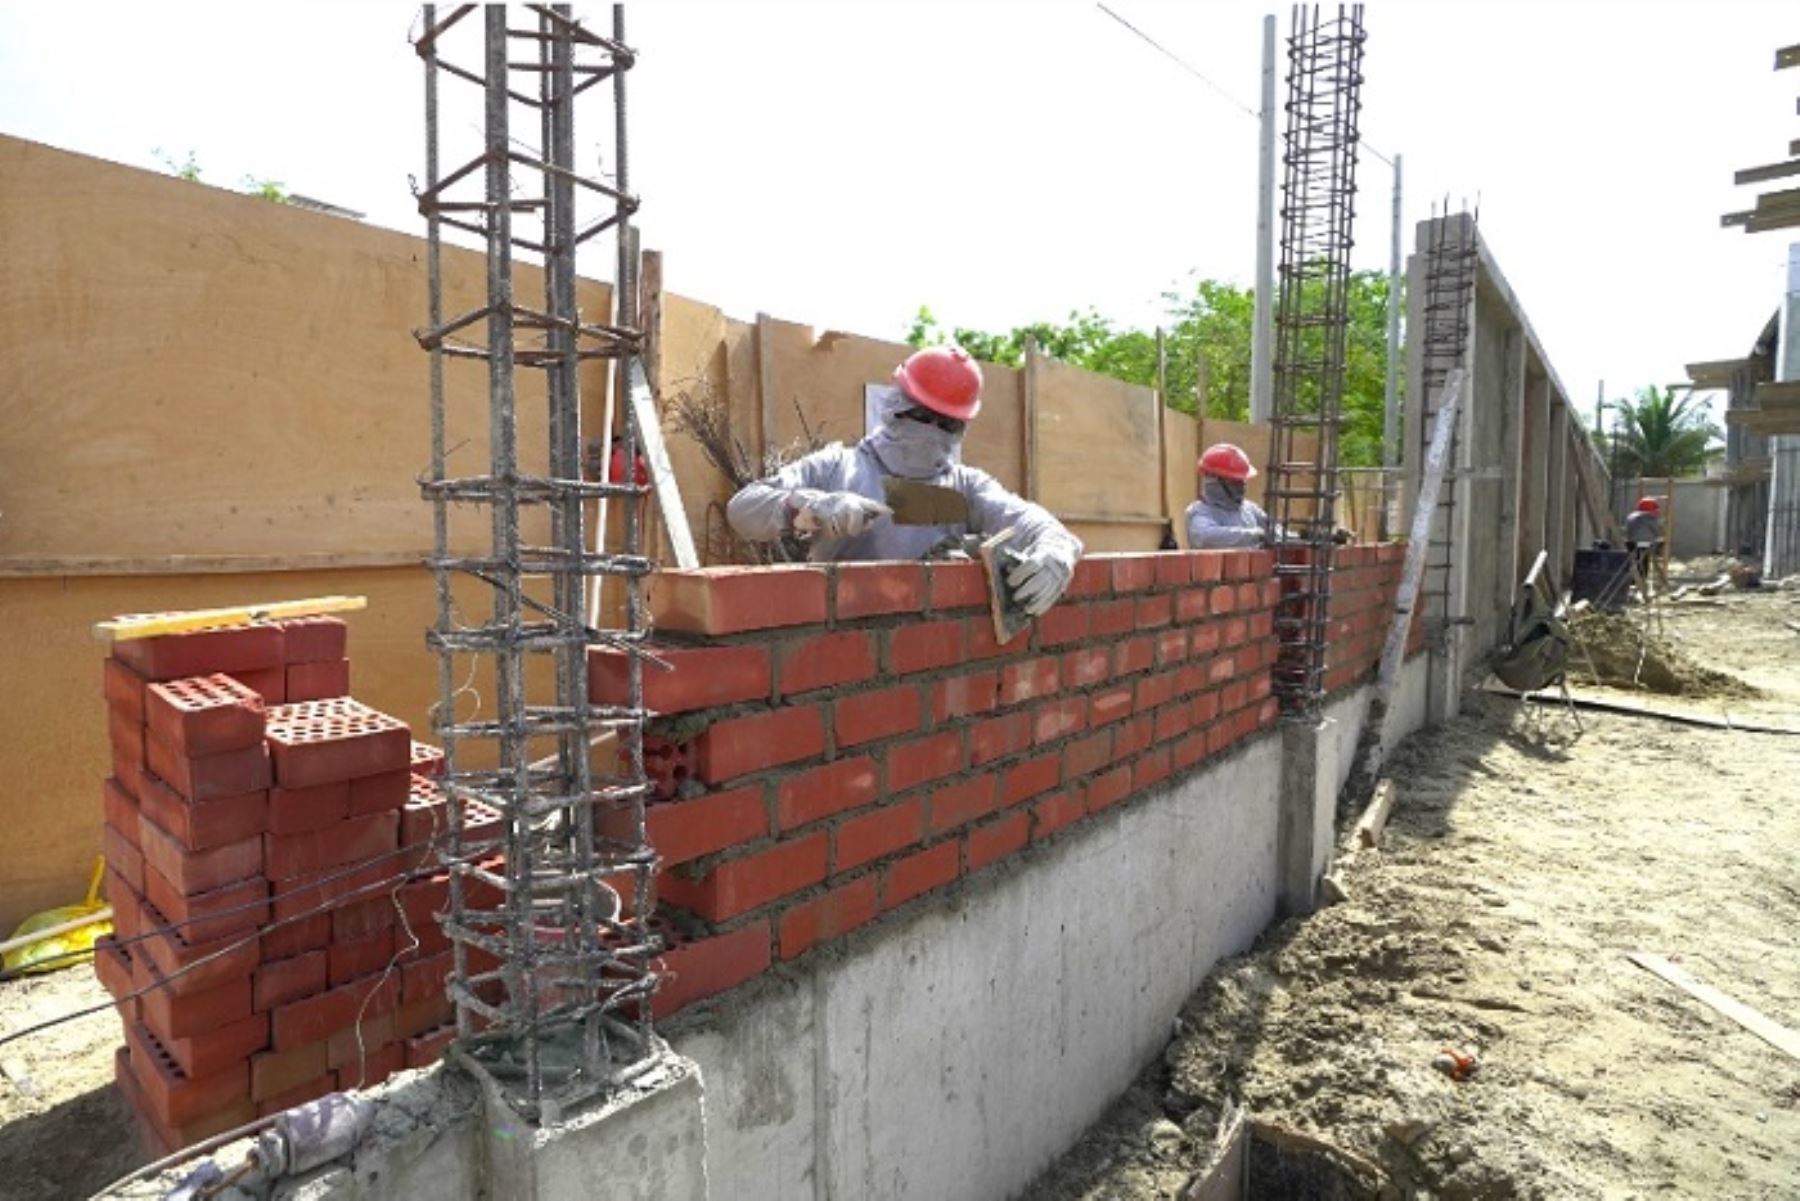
[(1311, 326), (552, 981)]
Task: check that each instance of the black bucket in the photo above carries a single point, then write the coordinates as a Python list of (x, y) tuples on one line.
[(1602, 578)]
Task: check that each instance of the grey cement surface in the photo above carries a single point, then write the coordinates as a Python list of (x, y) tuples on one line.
[(954, 1052)]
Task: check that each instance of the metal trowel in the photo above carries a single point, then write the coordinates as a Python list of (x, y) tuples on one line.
[(916, 503)]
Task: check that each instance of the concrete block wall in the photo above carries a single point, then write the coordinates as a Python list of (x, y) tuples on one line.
[(255, 819), (834, 742)]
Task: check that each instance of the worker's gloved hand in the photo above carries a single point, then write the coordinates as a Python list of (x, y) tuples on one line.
[(835, 514), (1040, 576), (1342, 536)]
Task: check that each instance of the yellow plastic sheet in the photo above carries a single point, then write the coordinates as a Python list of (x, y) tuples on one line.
[(71, 946)]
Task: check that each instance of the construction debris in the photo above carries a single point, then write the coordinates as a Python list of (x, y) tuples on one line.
[(1617, 653)]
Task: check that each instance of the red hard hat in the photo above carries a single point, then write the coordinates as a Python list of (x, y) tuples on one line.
[(1227, 462), (1648, 505), (944, 379)]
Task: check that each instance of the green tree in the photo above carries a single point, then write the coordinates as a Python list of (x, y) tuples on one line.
[(1656, 436), (1213, 323)]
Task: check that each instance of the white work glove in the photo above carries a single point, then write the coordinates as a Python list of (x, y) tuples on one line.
[(835, 514), (1039, 578)]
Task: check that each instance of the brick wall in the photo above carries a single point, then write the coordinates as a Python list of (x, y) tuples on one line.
[(1364, 583)]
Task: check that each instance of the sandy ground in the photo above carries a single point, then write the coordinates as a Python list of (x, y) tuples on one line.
[(1519, 868)]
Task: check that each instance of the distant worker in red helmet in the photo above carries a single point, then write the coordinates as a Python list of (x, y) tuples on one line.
[(834, 497), (1223, 519), (1643, 534)]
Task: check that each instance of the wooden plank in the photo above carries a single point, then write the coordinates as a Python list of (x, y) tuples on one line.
[(1412, 573), (25, 567), (1374, 818), (1770, 1031), (1767, 172), (662, 474), (1096, 444), (1741, 217), (1783, 220), (1787, 56), (150, 625), (1226, 1174), (1032, 491), (766, 401)]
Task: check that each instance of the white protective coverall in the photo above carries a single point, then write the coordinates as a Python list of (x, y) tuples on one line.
[(761, 511), (1220, 521)]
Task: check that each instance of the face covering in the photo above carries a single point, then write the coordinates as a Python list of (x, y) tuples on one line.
[(1223, 492), (914, 450)]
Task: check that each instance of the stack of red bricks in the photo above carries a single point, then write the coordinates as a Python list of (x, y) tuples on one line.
[(1364, 583), (249, 790), (863, 739)]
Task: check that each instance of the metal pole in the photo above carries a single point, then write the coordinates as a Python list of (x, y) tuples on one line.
[(1262, 340), (1599, 406), (1390, 432)]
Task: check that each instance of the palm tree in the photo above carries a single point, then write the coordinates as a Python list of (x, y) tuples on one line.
[(1659, 437)]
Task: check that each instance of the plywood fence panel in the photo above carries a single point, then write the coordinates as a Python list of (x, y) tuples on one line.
[(194, 371), (1096, 444), (1181, 477)]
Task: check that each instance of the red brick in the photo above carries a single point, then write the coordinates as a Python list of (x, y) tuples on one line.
[(1172, 721), (204, 825), (741, 745), (1221, 600), (1236, 694), (998, 737), (203, 715), (1133, 573), (372, 1068), (314, 639), (996, 840), (1109, 705), (112, 965), (1063, 624), (422, 978), (1059, 719), (1087, 755), (1109, 788), (1054, 812), (1154, 691), (823, 918), (881, 832), (1206, 639), (957, 586), (297, 810), (122, 856), (925, 645), (350, 958), (128, 918), (1192, 605), (427, 760), (177, 1016), (1237, 565), (1221, 669), (1093, 577), (1261, 563), (423, 1050), (694, 971), (230, 773), (1206, 566), (1133, 655), (1085, 667), (701, 677), (313, 1019), (1031, 777), (968, 800), (206, 916), (1133, 737), (345, 885), (1190, 750), (360, 1039), (740, 885), (355, 840), (1206, 708), (423, 900), (424, 1013), (1233, 632), (203, 652), (379, 793), (179, 958), (118, 807), (962, 696), (1028, 679), (1109, 619), (910, 764), (273, 1073), (1171, 647), (298, 938), (681, 831), (732, 600), (279, 981), (1155, 611), (1152, 769), (172, 1095), (127, 744), (827, 661), (124, 691), (869, 716), (270, 683), (317, 742), (1172, 570), (823, 791), (871, 589), (1249, 596), (920, 873), (983, 644), (197, 871), (318, 681)]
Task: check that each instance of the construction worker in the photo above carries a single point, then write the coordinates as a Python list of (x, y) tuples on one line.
[(834, 496), (1643, 534), (1222, 519)]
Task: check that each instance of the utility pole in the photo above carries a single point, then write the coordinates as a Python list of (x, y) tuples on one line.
[(1262, 363), (1390, 425), (1600, 409)]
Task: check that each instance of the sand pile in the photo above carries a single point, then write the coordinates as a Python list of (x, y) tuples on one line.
[(1628, 657)]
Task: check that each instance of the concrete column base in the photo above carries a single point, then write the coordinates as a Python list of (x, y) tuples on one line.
[(1307, 812), (645, 1143)]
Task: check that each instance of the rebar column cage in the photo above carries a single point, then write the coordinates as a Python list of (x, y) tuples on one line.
[(546, 921), (1447, 310), (1318, 207)]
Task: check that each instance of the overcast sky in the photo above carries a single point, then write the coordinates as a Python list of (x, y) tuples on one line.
[(842, 163)]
